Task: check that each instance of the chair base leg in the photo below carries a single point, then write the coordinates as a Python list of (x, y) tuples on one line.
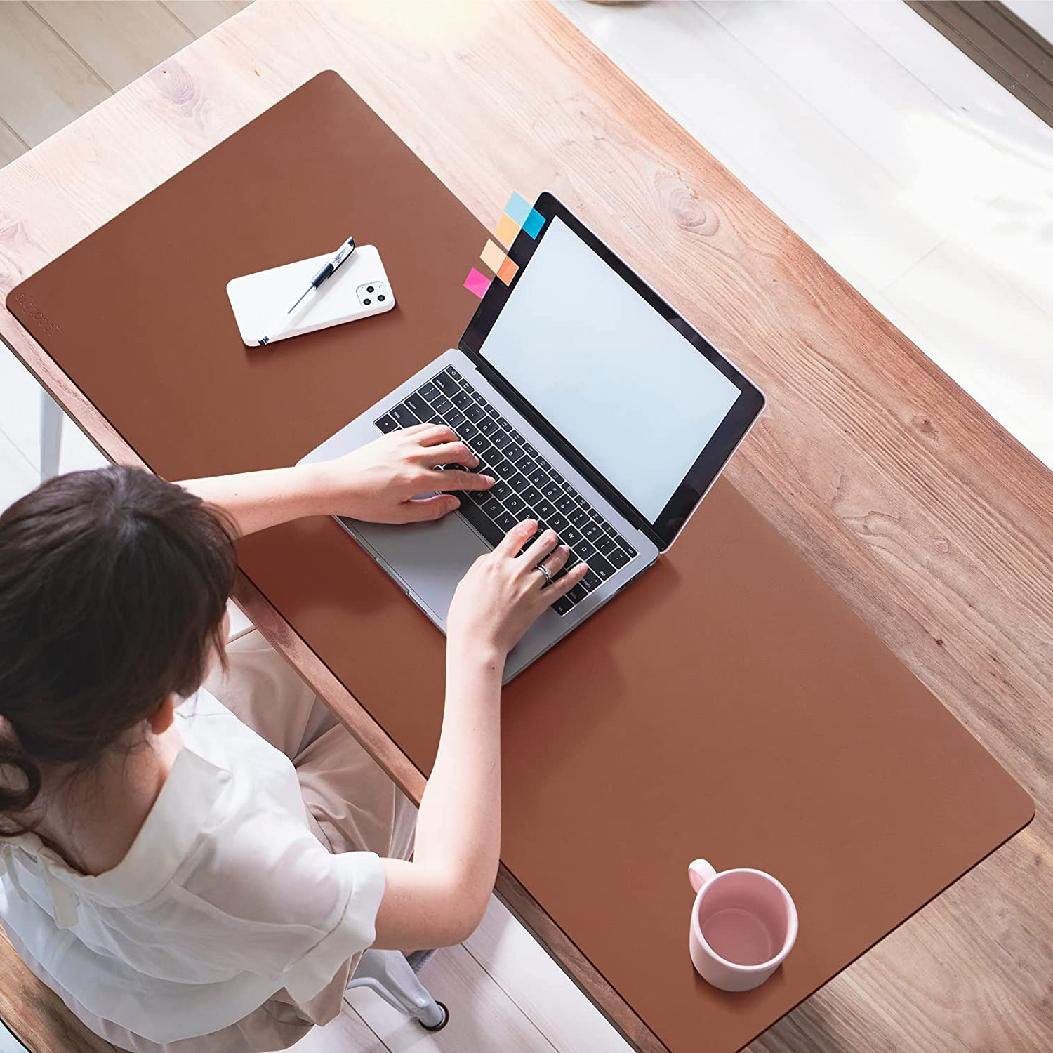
[(389, 975)]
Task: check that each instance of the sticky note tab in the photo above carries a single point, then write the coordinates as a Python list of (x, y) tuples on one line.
[(477, 283), (508, 270), (506, 230), (492, 256), (518, 208), (533, 223)]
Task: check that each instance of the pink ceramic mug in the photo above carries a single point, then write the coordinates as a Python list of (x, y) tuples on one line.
[(743, 925)]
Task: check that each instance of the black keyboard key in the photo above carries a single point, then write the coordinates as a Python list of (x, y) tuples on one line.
[(605, 544), (591, 580), (601, 566), (454, 416), (429, 392), (503, 467), (592, 530), (538, 476), (461, 399), (418, 405), (545, 509), (472, 412), (453, 373), (531, 494), (506, 521), (447, 384), (405, 416), (578, 516), (502, 491), (563, 605), (552, 490), (487, 427), (440, 402), (484, 450), (518, 481), (570, 534), (619, 557), (559, 523), (577, 594), (387, 423), (492, 508), (565, 503), (467, 431)]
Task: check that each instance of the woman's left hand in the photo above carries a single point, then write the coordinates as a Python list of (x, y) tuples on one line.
[(383, 481)]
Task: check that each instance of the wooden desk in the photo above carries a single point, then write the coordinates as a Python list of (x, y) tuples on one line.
[(929, 519)]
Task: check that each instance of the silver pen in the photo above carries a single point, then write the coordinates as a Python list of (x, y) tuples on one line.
[(281, 323)]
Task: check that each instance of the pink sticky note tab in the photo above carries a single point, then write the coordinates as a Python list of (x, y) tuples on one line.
[(477, 283)]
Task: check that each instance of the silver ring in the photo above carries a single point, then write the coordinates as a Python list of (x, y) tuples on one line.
[(544, 570)]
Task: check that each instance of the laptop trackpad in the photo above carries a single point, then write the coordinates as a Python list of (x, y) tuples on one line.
[(427, 559)]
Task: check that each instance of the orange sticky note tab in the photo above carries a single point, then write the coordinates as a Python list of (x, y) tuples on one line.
[(492, 256), (507, 271), (506, 230)]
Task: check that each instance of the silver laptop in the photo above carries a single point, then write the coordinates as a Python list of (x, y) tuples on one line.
[(599, 411)]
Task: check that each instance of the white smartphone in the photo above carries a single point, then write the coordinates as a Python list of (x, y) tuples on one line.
[(359, 289)]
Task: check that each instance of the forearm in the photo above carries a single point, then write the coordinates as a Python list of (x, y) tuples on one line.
[(439, 898), (257, 500)]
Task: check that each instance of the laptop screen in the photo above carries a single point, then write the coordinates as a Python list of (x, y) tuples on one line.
[(624, 387)]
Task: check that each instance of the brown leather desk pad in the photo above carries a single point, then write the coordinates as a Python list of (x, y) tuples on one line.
[(727, 705)]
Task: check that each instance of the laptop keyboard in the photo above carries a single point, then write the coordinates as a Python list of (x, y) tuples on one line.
[(526, 487)]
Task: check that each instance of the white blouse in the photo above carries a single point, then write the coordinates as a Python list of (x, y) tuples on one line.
[(224, 898)]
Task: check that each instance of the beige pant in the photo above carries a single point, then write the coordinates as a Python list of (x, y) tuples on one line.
[(352, 806)]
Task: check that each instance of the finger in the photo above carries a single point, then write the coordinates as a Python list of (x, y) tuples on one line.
[(447, 453), (430, 434), (552, 592), (554, 563), (455, 480), (516, 538), (539, 549), (421, 509)]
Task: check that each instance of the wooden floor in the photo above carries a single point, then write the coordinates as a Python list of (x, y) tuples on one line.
[(57, 60)]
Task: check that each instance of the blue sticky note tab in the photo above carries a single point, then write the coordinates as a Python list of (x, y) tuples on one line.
[(518, 208), (533, 223)]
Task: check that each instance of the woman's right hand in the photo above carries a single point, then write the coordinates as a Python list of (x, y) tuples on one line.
[(504, 592)]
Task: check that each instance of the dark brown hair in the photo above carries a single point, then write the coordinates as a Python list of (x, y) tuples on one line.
[(113, 587)]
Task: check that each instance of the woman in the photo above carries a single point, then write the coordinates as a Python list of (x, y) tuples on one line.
[(195, 876)]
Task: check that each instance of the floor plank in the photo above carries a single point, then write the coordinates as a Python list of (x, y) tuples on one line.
[(119, 41), (11, 145), (43, 83), (483, 1019), (199, 16)]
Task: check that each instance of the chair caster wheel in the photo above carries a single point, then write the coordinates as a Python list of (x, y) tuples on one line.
[(442, 1023)]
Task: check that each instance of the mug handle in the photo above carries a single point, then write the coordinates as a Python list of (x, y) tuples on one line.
[(699, 872)]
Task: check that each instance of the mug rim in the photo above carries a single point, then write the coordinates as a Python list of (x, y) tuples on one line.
[(791, 922)]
